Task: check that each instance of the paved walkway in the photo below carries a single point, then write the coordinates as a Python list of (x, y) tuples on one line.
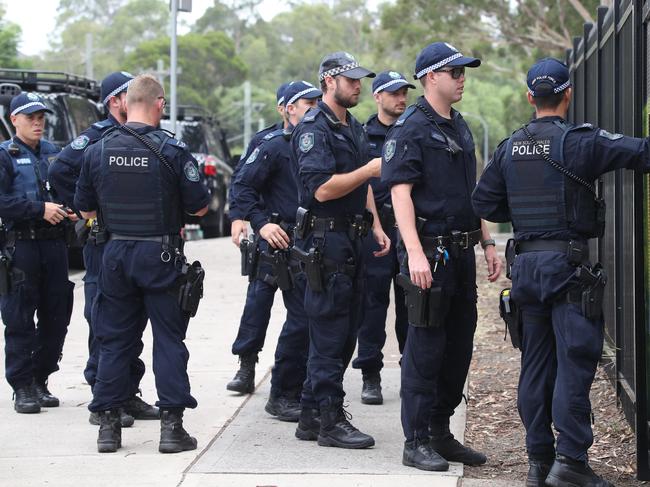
[(239, 444)]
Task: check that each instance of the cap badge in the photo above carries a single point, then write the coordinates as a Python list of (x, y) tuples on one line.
[(33, 97), (394, 75)]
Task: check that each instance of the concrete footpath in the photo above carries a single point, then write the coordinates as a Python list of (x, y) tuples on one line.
[(239, 444)]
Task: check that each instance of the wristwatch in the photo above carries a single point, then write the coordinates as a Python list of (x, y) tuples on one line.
[(487, 241)]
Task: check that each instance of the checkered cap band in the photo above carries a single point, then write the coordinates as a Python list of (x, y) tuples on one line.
[(338, 70), (117, 90), (300, 94), (27, 105), (281, 101), (390, 83), (557, 90), (438, 65)]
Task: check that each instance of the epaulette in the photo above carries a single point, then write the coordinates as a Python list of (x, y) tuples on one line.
[(102, 124), (274, 134), (311, 115), (176, 143), (407, 113), (266, 129), (585, 126)]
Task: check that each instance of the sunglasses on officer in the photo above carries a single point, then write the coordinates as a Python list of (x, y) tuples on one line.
[(164, 101), (455, 73)]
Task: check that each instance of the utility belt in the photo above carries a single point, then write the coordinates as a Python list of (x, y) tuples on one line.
[(577, 252), (387, 216), (318, 269), (357, 226), (424, 306), (454, 242), (36, 233), (283, 267)]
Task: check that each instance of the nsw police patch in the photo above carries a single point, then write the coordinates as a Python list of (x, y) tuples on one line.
[(191, 171), (389, 149), (253, 156), (609, 135), (306, 142), (80, 142)]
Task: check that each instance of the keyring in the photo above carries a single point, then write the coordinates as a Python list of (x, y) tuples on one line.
[(165, 256)]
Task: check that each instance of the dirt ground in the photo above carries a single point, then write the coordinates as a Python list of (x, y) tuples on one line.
[(493, 424)]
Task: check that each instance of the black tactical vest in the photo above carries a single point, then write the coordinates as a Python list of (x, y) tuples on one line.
[(139, 195), (542, 200)]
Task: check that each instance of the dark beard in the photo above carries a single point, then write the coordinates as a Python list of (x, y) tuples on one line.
[(344, 102)]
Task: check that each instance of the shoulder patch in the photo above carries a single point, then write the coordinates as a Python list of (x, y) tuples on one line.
[(609, 135), (191, 171), (253, 156), (306, 142), (389, 149), (80, 142), (407, 113)]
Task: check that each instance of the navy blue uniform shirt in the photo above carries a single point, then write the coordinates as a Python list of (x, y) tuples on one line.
[(14, 207), (418, 152), (266, 174), (64, 171), (376, 133), (322, 146), (588, 152), (233, 210), (192, 192)]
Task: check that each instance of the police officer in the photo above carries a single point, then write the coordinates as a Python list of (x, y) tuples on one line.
[(141, 180), (330, 148), (390, 90), (35, 257), (267, 194), (430, 165), (63, 174), (257, 309), (541, 179)]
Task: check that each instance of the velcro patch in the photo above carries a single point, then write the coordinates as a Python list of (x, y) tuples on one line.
[(389, 149), (306, 142), (253, 156), (525, 149), (191, 171), (80, 142), (609, 135)]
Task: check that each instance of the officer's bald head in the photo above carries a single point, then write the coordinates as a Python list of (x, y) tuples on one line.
[(144, 90)]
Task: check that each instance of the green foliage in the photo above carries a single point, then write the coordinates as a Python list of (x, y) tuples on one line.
[(9, 37)]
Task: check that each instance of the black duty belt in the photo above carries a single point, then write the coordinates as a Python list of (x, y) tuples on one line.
[(353, 225), (576, 250), (36, 233), (463, 240), (163, 239)]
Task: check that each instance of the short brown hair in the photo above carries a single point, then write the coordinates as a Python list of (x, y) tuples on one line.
[(144, 89), (548, 102)]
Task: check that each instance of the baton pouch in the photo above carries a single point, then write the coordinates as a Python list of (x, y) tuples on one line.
[(511, 315), (191, 290), (281, 271), (303, 218), (249, 254), (510, 256), (5, 275)]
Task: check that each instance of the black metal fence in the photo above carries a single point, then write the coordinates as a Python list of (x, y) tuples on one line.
[(610, 74)]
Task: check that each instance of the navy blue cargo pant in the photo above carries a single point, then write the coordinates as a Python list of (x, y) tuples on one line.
[(92, 261), (560, 352), (33, 350), (380, 273), (436, 359), (134, 280), (334, 318)]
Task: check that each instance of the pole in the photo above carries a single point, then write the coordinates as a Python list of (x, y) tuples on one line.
[(172, 68), (485, 134), (89, 55), (247, 113)]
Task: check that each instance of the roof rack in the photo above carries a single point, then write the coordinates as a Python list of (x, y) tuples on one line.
[(51, 81)]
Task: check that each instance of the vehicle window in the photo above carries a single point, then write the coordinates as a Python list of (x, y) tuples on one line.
[(83, 113), (193, 135), (214, 144), (56, 126)]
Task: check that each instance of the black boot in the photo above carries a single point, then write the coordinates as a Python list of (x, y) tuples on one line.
[(126, 420), (139, 409), (336, 430), (244, 380), (26, 401), (420, 454), (567, 472), (371, 391), (44, 396), (283, 408), (538, 469), (451, 449), (110, 431), (173, 437), (308, 424)]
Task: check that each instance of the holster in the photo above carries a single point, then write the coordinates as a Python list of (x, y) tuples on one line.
[(303, 218), (5, 274), (589, 293), (423, 305), (191, 289), (249, 255), (511, 253), (511, 315), (312, 263), (280, 265)]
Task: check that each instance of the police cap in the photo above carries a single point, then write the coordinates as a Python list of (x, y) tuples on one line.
[(438, 55), (27, 103), (300, 89), (114, 84), (548, 76), (389, 81), (341, 62), (279, 95)]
